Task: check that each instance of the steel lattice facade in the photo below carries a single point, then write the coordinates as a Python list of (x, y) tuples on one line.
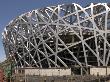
[(60, 36)]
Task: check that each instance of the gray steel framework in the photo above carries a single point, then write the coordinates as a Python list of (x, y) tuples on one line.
[(60, 36)]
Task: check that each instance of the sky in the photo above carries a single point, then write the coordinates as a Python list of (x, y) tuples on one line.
[(10, 9)]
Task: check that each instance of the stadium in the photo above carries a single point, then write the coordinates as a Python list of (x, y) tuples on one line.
[(66, 35)]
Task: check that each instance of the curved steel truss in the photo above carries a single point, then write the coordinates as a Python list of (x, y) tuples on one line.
[(60, 36)]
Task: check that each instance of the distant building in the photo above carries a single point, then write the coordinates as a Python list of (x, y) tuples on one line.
[(1, 76)]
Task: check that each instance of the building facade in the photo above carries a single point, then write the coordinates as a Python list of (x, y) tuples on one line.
[(66, 35)]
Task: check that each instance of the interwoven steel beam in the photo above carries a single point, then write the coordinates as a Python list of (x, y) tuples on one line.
[(60, 36)]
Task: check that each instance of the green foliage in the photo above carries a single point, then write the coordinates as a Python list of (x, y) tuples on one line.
[(7, 66)]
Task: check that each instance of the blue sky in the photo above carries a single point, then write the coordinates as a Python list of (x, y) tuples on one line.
[(9, 9)]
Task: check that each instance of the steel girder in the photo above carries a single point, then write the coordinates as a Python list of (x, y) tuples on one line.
[(60, 36)]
